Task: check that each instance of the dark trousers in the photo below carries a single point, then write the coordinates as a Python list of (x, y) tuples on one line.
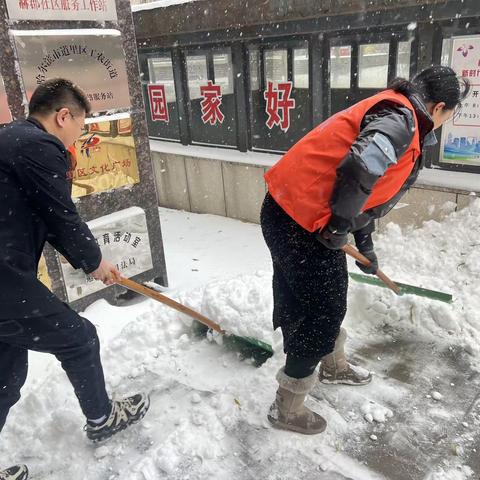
[(68, 336), (310, 285)]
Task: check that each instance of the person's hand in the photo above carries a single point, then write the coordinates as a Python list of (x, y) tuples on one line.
[(332, 239), (373, 267), (107, 273)]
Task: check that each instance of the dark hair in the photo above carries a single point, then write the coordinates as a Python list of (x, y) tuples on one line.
[(57, 93), (435, 84)]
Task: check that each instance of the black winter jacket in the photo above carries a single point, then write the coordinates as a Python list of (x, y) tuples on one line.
[(354, 179), (36, 206)]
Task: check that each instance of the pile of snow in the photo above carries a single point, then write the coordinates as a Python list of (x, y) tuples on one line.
[(207, 418)]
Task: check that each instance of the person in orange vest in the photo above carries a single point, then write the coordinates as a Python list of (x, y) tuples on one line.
[(348, 171)]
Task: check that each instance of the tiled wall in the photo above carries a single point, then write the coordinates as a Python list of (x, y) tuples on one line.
[(237, 190)]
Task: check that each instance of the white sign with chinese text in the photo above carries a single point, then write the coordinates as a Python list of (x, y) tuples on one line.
[(461, 136), (123, 239), (92, 58), (97, 10)]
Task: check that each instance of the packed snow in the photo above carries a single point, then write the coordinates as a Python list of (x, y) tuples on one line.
[(419, 419)]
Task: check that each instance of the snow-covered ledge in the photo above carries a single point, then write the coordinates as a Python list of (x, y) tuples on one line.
[(460, 182), (429, 178), (259, 159)]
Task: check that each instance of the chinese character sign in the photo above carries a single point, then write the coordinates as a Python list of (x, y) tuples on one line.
[(461, 136), (278, 105), (99, 10), (211, 101), (96, 62), (123, 239), (158, 103), (105, 157)]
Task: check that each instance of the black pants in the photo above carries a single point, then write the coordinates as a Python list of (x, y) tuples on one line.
[(310, 285), (72, 339)]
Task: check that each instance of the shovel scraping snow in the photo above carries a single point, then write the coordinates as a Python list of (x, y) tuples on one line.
[(248, 347)]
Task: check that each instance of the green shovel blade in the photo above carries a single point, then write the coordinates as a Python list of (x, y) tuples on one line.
[(404, 288)]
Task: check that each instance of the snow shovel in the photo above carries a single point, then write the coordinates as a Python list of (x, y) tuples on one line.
[(248, 347), (384, 281)]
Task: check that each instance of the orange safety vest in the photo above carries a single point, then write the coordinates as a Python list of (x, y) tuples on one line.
[(72, 156), (302, 181)]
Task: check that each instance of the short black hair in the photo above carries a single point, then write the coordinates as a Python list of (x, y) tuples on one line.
[(57, 93)]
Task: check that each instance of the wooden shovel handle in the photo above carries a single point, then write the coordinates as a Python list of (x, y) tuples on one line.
[(148, 292), (353, 252)]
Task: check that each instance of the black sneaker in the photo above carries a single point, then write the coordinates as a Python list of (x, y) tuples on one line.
[(18, 472), (124, 413)]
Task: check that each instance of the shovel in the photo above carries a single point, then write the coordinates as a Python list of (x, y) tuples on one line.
[(248, 347), (398, 288), (353, 252)]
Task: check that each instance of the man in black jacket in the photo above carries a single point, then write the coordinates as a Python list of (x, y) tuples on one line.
[(35, 207)]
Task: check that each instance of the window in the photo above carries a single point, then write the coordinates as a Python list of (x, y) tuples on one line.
[(161, 72), (276, 66), (212, 105), (158, 86), (403, 59), (197, 74), (280, 109), (223, 69), (340, 66), (373, 65), (254, 69), (300, 68), (446, 51)]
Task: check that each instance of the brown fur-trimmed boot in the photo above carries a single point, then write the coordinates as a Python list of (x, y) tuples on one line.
[(288, 412), (335, 369)]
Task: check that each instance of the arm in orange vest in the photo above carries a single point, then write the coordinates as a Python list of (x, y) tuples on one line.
[(387, 131)]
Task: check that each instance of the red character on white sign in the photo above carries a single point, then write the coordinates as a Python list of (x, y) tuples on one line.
[(278, 105), (158, 103), (212, 99)]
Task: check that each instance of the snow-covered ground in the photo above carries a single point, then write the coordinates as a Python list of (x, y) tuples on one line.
[(419, 419)]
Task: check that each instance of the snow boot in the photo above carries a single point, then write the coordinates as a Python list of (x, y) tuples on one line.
[(124, 413), (18, 472), (335, 369), (288, 412)]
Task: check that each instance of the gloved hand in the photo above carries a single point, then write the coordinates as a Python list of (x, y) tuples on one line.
[(332, 239), (364, 242), (372, 269)]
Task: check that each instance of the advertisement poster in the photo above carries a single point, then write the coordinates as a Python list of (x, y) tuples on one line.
[(461, 135), (104, 157), (92, 58)]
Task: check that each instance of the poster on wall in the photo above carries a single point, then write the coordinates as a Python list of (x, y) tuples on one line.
[(104, 157), (5, 115), (461, 136), (123, 239), (98, 10), (92, 58)]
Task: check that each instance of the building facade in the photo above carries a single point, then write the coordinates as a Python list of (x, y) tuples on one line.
[(229, 86)]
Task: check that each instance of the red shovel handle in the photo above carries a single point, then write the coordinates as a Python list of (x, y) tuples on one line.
[(353, 252)]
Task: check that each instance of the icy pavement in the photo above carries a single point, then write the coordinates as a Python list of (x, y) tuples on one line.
[(419, 419)]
